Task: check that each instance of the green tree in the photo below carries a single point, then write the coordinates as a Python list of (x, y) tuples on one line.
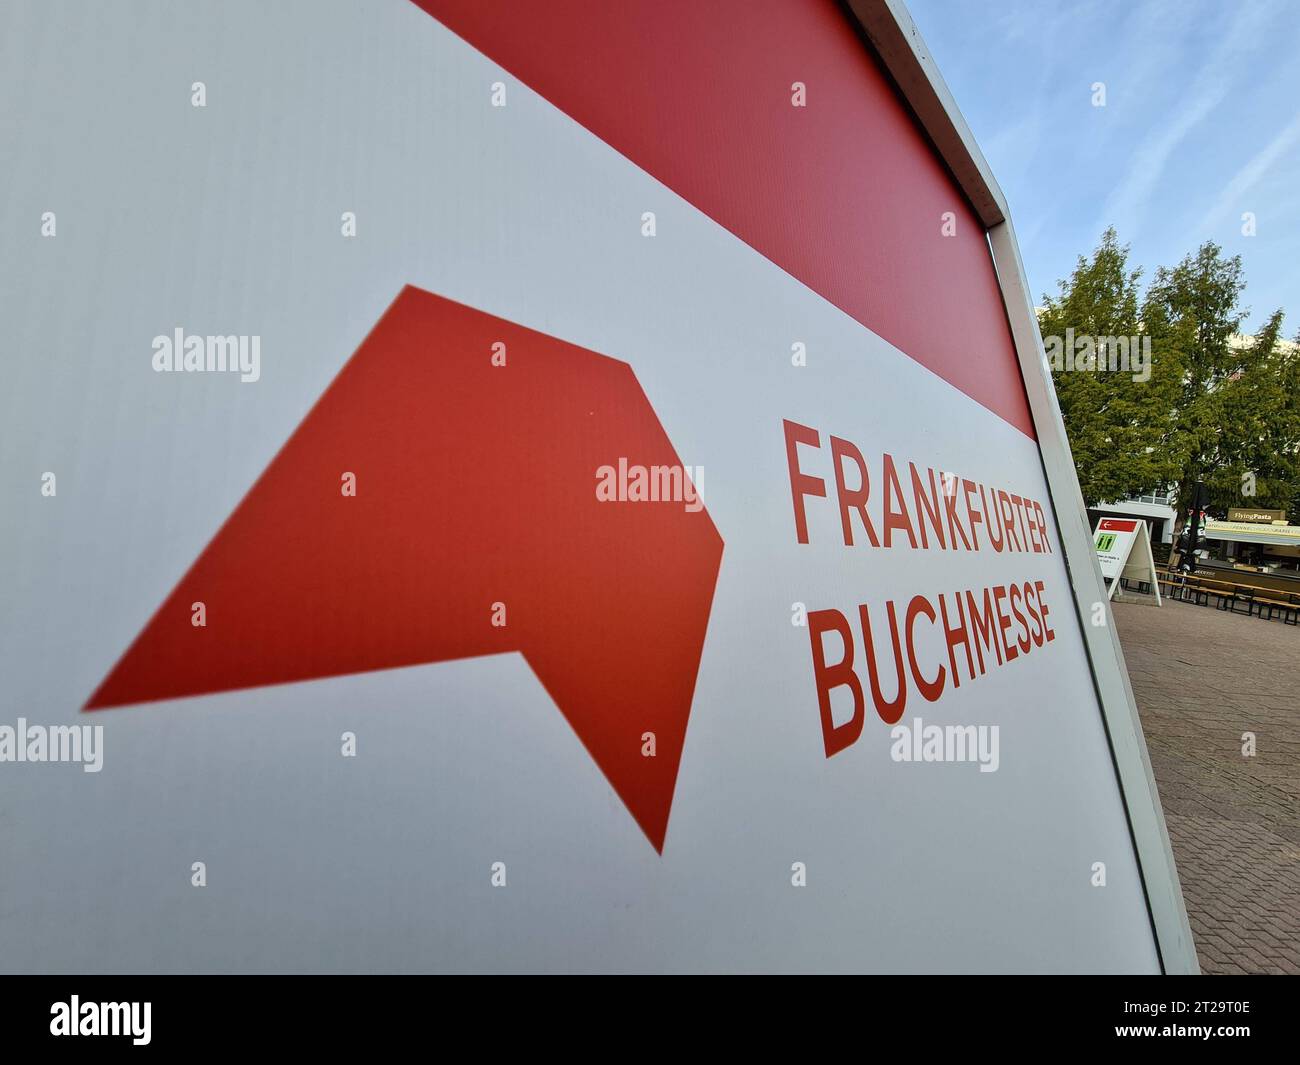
[(1217, 407), (1234, 421), (1257, 460), (1119, 422)]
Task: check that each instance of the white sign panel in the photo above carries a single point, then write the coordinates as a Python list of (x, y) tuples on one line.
[(465, 535), (1124, 552)]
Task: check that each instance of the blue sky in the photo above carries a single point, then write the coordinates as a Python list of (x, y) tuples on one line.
[(1201, 124)]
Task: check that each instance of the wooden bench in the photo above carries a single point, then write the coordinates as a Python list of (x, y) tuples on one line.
[(1265, 603), (1193, 589), (1288, 606)]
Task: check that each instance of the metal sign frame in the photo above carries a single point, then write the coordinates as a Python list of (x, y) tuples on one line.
[(891, 33)]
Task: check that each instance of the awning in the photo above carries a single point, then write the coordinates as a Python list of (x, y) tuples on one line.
[(1252, 532)]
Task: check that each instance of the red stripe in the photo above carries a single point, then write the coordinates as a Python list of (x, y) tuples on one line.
[(845, 194)]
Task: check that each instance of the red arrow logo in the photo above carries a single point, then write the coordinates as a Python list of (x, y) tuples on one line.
[(475, 485)]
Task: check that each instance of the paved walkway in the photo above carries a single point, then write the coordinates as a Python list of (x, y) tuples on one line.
[(1203, 677)]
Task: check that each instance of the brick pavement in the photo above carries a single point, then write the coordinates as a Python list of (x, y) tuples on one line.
[(1202, 677)]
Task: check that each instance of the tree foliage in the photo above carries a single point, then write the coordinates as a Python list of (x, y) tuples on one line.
[(1218, 407), (1116, 424)]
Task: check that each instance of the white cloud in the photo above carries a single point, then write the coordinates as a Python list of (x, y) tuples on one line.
[(1249, 175), (1127, 202)]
